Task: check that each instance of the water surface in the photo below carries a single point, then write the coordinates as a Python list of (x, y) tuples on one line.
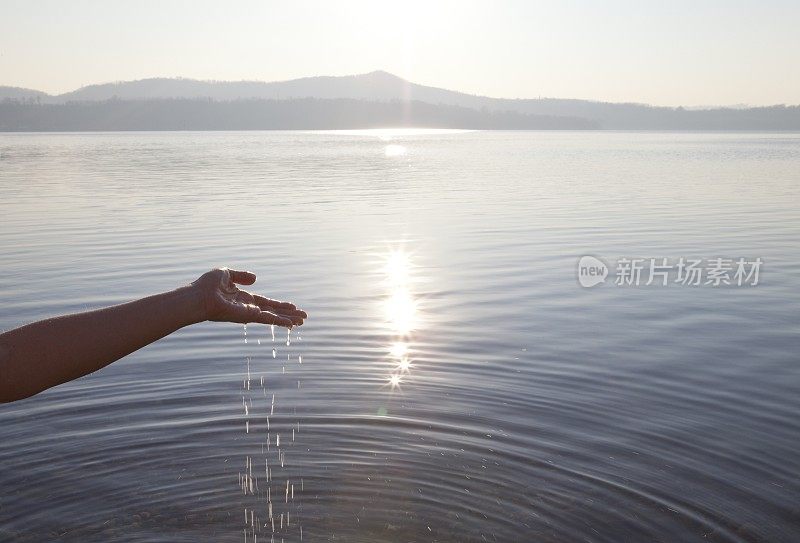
[(527, 408)]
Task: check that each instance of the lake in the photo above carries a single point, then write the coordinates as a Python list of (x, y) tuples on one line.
[(457, 381)]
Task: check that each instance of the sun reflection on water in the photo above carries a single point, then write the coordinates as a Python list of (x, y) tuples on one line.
[(401, 312), (399, 349), (394, 150)]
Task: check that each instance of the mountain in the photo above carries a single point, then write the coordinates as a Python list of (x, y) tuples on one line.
[(374, 86), (18, 93), (384, 87), (261, 114)]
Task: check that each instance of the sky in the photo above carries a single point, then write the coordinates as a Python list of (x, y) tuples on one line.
[(690, 53)]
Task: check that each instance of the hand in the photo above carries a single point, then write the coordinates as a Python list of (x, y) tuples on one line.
[(223, 301)]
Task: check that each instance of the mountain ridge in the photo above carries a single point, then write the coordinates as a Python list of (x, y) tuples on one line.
[(90, 92), (381, 86)]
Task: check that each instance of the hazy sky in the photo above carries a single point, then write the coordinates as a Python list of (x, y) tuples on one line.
[(660, 52)]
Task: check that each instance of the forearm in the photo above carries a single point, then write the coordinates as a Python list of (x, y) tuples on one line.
[(50, 352)]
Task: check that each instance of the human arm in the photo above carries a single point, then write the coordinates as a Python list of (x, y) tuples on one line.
[(53, 351)]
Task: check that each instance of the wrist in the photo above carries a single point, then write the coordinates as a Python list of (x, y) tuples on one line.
[(192, 301)]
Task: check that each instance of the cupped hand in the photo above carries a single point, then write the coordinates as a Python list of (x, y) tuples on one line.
[(223, 301)]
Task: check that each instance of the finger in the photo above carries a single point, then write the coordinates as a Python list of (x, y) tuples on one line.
[(288, 312), (285, 308), (265, 317), (245, 313), (261, 300), (297, 320), (242, 277)]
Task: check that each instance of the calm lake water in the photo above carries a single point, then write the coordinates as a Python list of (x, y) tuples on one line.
[(528, 408)]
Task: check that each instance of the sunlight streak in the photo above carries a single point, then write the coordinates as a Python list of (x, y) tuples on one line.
[(401, 310)]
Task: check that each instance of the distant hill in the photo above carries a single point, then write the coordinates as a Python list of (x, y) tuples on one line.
[(383, 87), (18, 93), (374, 86), (260, 114)]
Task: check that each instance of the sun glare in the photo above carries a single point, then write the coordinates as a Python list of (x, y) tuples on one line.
[(395, 150), (404, 365), (398, 268), (399, 349), (400, 307)]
